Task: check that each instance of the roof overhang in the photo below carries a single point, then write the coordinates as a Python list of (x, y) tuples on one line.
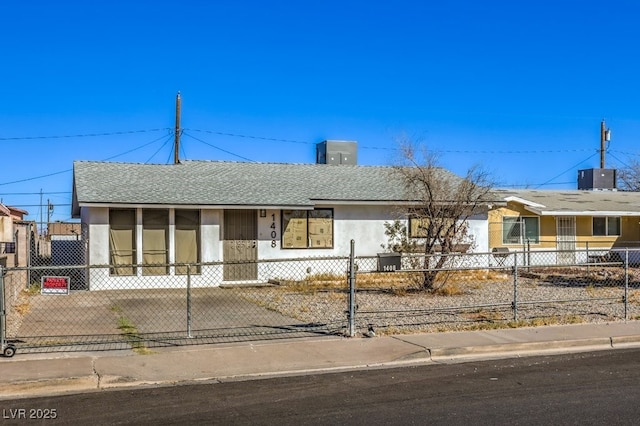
[(580, 212)]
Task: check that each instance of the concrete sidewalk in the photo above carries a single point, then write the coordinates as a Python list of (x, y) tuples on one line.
[(28, 375)]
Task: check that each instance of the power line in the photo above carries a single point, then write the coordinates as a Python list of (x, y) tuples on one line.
[(569, 169), (36, 177), (85, 135), (69, 170), (35, 193), (38, 205), (140, 147), (158, 150), (264, 138), (444, 151), (236, 135), (218, 148)]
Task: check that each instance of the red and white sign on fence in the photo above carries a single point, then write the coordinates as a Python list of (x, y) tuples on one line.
[(55, 285)]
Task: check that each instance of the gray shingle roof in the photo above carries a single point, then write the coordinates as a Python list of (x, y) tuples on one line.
[(577, 202), (213, 183)]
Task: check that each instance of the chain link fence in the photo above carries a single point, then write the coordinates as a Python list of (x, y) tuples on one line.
[(497, 289), (61, 305)]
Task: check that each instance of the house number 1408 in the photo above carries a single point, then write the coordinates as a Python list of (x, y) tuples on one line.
[(274, 235)]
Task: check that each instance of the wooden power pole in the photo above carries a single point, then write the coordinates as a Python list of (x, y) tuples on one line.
[(605, 136), (176, 145)]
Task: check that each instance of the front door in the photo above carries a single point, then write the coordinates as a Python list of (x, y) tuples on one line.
[(566, 239), (240, 245)]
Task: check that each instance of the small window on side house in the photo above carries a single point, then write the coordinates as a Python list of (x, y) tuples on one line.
[(606, 226), (520, 230)]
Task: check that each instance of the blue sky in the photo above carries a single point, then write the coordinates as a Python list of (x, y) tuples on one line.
[(516, 87)]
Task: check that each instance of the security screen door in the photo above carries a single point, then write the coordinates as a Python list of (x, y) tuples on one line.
[(566, 239), (240, 245)]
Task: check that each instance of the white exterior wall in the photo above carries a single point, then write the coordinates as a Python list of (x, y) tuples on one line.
[(363, 224), (479, 230)]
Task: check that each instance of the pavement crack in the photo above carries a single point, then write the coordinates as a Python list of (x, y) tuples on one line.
[(95, 372), (422, 348)]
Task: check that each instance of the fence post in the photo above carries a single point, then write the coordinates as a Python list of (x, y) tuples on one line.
[(189, 301), (514, 304), (352, 291), (626, 285), (2, 311)]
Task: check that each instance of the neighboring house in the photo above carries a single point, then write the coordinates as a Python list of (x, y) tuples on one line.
[(64, 231), (590, 221), (14, 236), (207, 211)]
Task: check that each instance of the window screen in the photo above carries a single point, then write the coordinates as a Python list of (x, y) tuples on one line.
[(187, 240), (122, 241), (155, 241)]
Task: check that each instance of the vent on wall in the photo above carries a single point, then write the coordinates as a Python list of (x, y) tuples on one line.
[(597, 179), (337, 152)]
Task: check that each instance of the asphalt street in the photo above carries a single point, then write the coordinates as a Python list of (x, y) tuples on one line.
[(581, 388)]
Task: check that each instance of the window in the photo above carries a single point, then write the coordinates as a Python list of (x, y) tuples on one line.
[(122, 241), (605, 226), (518, 230), (307, 228), (187, 240), (155, 241)]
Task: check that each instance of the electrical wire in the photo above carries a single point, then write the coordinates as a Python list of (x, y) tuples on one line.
[(218, 148), (70, 170), (444, 151), (36, 177), (236, 135), (86, 135), (568, 170), (159, 149), (135, 149)]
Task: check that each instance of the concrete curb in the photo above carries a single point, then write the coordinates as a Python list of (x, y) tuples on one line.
[(529, 348), (51, 376)]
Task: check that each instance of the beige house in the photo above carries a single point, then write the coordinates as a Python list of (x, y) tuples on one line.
[(14, 236), (595, 221)]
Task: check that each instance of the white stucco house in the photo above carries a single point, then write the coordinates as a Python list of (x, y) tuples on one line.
[(142, 219)]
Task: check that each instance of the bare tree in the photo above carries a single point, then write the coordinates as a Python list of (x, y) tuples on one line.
[(442, 205), (629, 177)]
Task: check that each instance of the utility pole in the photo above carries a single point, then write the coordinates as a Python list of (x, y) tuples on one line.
[(41, 230), (605, 136), (49, 210), (176, 145)]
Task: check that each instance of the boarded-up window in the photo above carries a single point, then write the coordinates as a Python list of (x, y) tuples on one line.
[(321, 228), (295, 229), (155, 241), (307, 229), (122, 241), (187, 240)]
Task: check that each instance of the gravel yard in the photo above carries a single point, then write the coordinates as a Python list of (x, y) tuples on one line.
[(470, 300)]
